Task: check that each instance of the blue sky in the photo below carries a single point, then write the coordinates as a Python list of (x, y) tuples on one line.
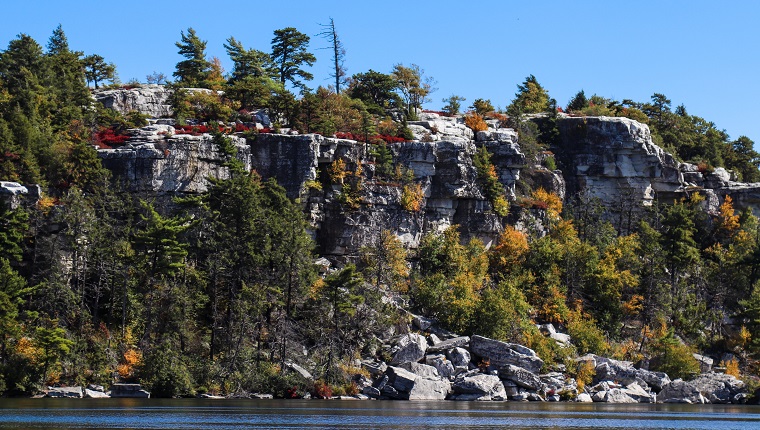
[(703, 54)]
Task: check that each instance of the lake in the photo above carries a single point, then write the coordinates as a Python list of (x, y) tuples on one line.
[(347, 414)]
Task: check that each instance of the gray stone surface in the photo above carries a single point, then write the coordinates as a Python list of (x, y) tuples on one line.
[(521, 377), (445, 345), (409, 348), (679, 391), (502, 353)]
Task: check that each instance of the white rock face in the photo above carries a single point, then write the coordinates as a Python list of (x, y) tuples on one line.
[(152, 100), (153, 163)]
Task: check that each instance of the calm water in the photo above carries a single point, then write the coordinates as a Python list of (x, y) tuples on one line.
[(336, 414)]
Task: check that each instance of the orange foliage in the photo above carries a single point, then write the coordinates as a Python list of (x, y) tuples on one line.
[(728, 221), (475, 122), (553, 202), (510, 251)]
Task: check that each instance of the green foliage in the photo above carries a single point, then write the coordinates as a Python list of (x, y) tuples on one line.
[(453, 104), (492, 187), (195, 69), (377, 91), (578, 102), (413, 87), (586, 336), (165, 373), (531, 97), (289, 56), (674, 358), (482, 107), (97, 70)]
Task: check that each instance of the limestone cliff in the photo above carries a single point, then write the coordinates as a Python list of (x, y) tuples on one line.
[(612, 159)]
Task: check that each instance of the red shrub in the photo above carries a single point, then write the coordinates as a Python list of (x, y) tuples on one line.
[(107, 138)]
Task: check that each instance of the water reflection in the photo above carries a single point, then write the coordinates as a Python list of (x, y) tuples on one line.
[(240, 414)]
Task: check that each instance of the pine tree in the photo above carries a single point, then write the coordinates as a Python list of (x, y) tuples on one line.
[(194, 70), (289, 56)]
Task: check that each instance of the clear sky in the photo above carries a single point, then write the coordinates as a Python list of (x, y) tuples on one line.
[(703, 54)]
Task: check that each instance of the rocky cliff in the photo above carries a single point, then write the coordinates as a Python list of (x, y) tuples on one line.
[(612, 159)]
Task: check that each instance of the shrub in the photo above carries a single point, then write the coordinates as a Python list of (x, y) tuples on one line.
[(338, 171), (550, 163), (411, 197), (586, 336), (732, 367), (475, 122), (322, 390), (674, 358)]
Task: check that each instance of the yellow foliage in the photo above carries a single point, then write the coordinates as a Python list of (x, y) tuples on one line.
[(475, 122), (316, 287), (744, 336), (728, 222), (26, 348), (411, 197), (553, 202), (634, 305), (584, 374), (628, 351), (45, 204), (132, 358), (732, 367), (338, 171), (510, 250)]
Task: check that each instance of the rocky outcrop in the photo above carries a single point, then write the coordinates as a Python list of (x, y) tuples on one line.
[(614, 159), (151, 100), (500, 354), (156, 161)]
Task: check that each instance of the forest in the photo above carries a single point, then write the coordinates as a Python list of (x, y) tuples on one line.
[(219, 294)]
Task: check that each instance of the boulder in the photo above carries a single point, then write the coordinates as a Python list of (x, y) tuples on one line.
[(459, 356), (371, 392), (129, 390), (445, 345), (521, 377), (500, 354), (420, 369), (718, 387), (445, 367), (428, 389), (480, 384), (374, 367), (638, 393), (93, 394), (679, 391), (409, 348), (583, 398), (705, 363), (618, 395), (298, 369), (65, 392), (403, 384)]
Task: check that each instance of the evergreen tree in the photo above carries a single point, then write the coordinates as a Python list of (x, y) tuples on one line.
[(578, 102), (531, 97), (193, 71), (289, 56), (97, 70)]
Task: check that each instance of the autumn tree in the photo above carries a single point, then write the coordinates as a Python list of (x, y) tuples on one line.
[(413, 86), (385, 262)]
